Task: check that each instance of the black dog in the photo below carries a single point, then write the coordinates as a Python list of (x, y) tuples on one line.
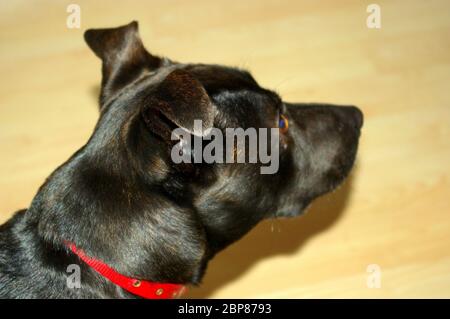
[(121, 199)]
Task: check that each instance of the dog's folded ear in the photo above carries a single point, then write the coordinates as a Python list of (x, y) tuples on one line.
[(178, 101), (123, 56)]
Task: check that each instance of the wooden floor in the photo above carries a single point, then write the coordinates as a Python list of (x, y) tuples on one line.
[(394, 211)]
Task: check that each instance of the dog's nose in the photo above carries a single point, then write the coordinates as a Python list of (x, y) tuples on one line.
[(356, 115)]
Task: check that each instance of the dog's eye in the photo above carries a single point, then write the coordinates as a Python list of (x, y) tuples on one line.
[(283, 124)]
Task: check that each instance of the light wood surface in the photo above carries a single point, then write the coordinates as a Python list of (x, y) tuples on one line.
[(394, 211)]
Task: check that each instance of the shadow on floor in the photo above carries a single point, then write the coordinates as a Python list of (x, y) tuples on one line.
[(95, 92), (271, 238)]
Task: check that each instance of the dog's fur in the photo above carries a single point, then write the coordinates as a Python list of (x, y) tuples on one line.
[(122, 200)]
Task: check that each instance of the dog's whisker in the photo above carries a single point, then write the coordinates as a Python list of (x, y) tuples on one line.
[(278, 86)]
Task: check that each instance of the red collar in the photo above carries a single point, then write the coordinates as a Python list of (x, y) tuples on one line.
[(141, 288)]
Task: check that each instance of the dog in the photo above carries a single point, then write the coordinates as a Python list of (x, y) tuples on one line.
[(130, 217)]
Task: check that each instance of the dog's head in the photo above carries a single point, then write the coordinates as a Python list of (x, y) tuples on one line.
[(144, 98)]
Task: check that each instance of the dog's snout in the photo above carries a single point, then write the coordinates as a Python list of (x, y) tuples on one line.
[(350, 115), (356, 116)]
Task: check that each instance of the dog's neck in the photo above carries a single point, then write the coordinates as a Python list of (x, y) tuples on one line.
[(125, 222)]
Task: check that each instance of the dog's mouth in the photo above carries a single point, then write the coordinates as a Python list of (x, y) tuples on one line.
[(294, 210)]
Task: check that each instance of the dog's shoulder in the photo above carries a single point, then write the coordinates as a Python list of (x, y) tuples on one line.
[(10, 264)]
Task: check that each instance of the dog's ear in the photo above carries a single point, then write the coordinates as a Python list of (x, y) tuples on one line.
[(123, 56), (176, 102)]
